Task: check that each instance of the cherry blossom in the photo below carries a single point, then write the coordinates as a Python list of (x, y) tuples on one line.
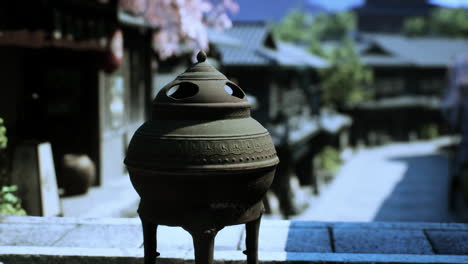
[(181, 23)]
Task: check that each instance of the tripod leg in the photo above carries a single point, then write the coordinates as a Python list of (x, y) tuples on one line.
[(203, 243), (251, 240), (149, 242)]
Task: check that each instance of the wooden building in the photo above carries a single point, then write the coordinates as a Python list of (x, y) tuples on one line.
[(75, 73), (409, 77)]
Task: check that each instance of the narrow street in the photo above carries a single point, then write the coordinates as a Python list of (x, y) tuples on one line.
[(397, 182)]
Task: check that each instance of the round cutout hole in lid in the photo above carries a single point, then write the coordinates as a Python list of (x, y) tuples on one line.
[(182, 91), (234, 90)]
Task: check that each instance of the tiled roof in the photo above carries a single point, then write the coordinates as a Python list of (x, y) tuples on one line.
[(252, 37), (254, 51), (217, 37), (239, 56), (417, 51), (288, 54)]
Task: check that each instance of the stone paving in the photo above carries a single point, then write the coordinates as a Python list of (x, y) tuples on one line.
[(398, 182), (119, 240), (115, 199)]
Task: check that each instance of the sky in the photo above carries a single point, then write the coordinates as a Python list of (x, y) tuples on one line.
[(337, 4), (451, 3), (344, 4)]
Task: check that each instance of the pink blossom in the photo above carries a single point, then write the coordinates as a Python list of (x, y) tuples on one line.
[(181, 22)]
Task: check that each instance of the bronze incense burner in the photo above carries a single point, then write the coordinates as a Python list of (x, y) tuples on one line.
[(201, 162)]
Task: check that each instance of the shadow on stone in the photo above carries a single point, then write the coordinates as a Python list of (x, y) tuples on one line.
[(422, 193)]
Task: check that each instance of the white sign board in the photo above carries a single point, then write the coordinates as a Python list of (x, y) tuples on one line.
[(34, 174)]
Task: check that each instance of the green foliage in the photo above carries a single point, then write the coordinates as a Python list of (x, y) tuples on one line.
[(345, 82), (10, 204), (295, 27), (3, 137), (329, 159), (333, 26), (300, 27), (449, 22), (415, 26), (3, 154), (429, 131), (445, 22)]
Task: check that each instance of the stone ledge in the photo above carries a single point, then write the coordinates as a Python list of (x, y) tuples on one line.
[(51, 255), (119, 240)]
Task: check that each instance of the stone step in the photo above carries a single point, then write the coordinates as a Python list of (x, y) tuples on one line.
[(119, 240)]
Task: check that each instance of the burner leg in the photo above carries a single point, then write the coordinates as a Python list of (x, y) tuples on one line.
[(149, 241), (203, 243), (251, 241)]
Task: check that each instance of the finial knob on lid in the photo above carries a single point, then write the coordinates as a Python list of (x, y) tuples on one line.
[(201, 56)]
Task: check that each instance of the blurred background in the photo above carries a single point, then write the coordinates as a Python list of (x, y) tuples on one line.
[(366, 101)]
